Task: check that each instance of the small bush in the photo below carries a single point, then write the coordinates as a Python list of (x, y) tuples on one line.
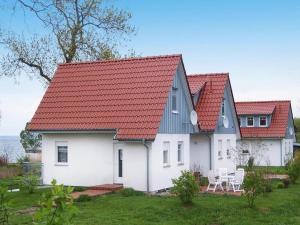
[(128, 192), (286, 183), (280, 185), (294, 168), (3, 159), (253, 186), (185, 187), (79, 189), (30, 183), (57, 207), (83, 198), (267, 187), (203, 181)]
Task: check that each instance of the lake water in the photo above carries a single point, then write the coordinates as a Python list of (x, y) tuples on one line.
[(12, 146)]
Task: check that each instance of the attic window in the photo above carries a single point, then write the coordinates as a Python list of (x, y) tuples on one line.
[(250, 121), (263, 121), (174, 102)]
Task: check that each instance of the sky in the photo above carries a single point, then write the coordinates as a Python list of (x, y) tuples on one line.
[(257, 42)]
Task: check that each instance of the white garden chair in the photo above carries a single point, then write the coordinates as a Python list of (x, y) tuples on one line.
[(223, 174), (237, 181), (213, 181)]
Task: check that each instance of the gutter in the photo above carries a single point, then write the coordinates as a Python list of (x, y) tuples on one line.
[(147, 158)]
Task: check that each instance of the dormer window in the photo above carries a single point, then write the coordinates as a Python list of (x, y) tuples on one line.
[(250, 121), (262, 121), (174, 102)]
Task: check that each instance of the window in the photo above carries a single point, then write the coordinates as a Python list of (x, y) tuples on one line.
[(250, 121), (62, 152), (220, 149), (228, 149), (239, 121), (174, 102), (262, 121), (223, 108), (166, 153), (180, 152)]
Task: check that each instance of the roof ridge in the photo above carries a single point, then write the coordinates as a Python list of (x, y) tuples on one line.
[(264, 101), (209, 74), (121, 59)]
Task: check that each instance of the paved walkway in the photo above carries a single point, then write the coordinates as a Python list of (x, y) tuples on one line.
[(219, 192), (99, 190)]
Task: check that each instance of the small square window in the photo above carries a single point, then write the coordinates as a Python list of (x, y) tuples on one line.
[(250, 121), (263, 121), (180, 152), (62, 153)]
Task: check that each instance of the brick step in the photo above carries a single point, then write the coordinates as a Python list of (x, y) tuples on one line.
[(108, 187)]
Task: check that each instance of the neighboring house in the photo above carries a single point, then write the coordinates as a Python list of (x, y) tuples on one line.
[(267, 129), (213, 99), (118, 121)]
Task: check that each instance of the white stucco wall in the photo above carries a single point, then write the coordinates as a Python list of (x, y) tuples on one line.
[(200, 153), (90, 159), (160, 176), (224, 161), (274, 152)]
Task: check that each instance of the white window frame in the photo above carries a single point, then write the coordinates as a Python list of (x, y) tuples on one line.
[(223, 108), (166, 148), (220, 149), (61, 144), (180, 152), (174, 95), (228, 147), (247, 121), (266, 121)]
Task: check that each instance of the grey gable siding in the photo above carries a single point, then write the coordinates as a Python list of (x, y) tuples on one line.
[(230, 114), (290, 126), (178, 123)]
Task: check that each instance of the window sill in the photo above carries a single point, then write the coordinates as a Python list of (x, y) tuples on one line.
[(180, 164), (167, 166), (220, 158), (175, 112), (61, 164)]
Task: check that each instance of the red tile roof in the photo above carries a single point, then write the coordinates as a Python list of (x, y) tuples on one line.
[(250, 109), (279, 122), (128, 95), (212, 88)]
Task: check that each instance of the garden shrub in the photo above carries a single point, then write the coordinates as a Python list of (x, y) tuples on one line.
[(203, 181), (267, 186), (286, 182), (128, 192), (56, 207), (30, 183), (253, 186), (185, 187), (3, 206), (280, 185), (294, 168), (83, 198)]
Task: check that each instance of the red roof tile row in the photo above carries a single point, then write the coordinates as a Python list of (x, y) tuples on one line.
[(128, 95), (279, 122), (212, 87)]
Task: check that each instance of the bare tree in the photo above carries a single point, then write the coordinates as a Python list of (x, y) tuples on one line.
[(256, 149), (76, 30)]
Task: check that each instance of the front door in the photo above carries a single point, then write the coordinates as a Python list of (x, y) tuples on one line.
[(118, 166)]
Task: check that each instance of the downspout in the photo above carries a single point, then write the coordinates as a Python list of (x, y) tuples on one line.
[(281, 143), (210, 152), (147, 159)]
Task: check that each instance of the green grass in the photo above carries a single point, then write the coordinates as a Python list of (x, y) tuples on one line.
[(277, 208)]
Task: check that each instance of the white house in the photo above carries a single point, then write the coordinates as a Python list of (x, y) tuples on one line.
[(212, 147), (118, 121), (267, 129)]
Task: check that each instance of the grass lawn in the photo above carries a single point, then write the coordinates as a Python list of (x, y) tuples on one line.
[(280, 207)]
